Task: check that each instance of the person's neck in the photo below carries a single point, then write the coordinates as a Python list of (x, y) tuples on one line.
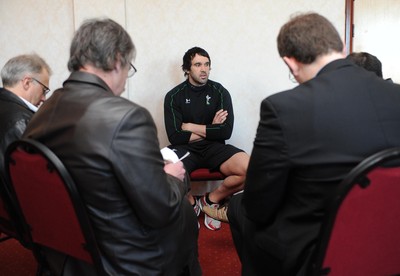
[(19, 91), (95, 71), (312, 69), (105, 76), (196, 84), (23, 95)]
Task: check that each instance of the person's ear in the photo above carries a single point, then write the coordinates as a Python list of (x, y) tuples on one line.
[(117, 66), (26, 82), (293, 65)]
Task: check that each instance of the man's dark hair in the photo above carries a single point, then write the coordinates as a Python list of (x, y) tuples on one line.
[(307, 36), (367, 61), (189, 55)]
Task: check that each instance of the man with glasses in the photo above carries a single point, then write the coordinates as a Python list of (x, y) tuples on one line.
[(308, 139), (141, 217), (25, 85)]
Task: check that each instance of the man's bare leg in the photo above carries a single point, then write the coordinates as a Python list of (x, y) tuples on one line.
[(235, 169)]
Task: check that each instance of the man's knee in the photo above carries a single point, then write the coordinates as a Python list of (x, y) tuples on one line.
[(237, 164)]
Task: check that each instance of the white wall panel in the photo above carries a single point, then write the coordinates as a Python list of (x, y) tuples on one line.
[(240, 36), (85, 9), (376, 32), (44, 27)]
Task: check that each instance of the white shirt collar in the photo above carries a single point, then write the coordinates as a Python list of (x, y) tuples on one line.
[(31, 106)]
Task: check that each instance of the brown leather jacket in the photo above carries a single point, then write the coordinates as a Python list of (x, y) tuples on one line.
[(109, 144)]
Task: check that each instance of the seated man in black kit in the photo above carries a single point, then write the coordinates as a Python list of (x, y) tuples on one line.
[(308, 139), (141, 217), (198, 116)]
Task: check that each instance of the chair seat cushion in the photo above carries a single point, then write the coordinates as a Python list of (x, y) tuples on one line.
[(204, 174)]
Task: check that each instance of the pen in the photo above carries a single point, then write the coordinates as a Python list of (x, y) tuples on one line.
[(183, 157)]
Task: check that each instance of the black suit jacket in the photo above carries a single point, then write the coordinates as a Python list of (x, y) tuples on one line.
[(308, 138), (140, 215), (14, 116)]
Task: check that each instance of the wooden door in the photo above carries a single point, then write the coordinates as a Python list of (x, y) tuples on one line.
[(377, 31)]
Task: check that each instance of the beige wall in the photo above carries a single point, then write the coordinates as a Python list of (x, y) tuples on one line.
[(240, 36), (376, 27)]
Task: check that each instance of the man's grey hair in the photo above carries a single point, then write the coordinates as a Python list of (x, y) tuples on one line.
[(100, 43), (18, 67)]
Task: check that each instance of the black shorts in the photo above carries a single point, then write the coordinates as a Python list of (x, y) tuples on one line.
[(205, 154)]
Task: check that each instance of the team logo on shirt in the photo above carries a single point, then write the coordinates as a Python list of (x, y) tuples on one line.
[(208, 98), (187, 101)]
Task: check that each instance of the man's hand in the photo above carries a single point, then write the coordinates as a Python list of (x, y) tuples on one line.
[(175, 169), (220, 116)]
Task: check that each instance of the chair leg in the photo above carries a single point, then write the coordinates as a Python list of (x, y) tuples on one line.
[(43, 270)]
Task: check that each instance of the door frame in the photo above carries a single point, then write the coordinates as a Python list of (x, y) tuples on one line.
[(349, 26)]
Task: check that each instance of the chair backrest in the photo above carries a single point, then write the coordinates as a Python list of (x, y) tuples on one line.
[(49, 202), (11, 224), (361, 234)]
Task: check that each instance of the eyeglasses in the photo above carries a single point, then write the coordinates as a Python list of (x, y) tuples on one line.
[(132, 70), (292, 78), (45, 88)]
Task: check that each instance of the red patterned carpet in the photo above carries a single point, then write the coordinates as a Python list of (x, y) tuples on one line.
[(217, 252), (217, 255), (15, 260)]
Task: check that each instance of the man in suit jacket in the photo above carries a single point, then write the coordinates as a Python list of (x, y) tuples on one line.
[(136, 203), (25, 85), (307, 140)]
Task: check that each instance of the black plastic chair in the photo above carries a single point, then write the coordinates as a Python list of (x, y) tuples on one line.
[(361, 234), (48, 201)]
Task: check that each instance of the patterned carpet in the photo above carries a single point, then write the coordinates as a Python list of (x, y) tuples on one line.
[(15, 260), (217, 255)]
